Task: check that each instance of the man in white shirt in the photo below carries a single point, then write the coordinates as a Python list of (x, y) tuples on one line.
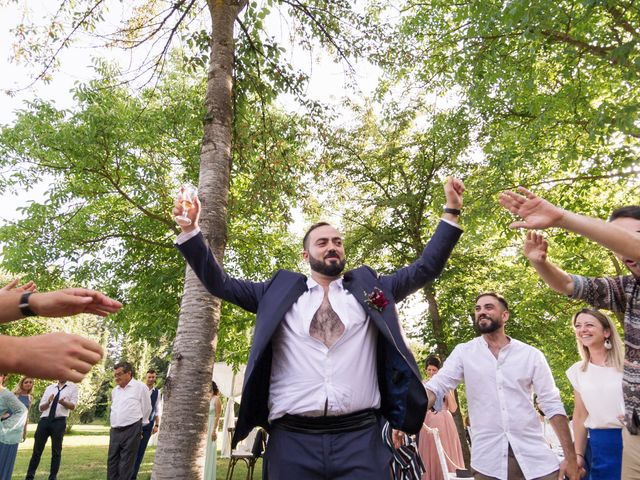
[(57, 402), (328, 357), (130, 410), (500, 375)]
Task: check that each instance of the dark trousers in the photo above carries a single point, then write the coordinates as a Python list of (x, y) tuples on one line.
[(327, 456), (47, 428), (146, 435), (123, 447)]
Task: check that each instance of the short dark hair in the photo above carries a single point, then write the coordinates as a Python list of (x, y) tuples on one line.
[(151, 370), (214, 388), (311, 229), (498, 297), (434, 361), (125, 366), (630, 211)]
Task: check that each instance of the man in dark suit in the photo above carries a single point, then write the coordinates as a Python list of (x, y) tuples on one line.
[(328, 357)]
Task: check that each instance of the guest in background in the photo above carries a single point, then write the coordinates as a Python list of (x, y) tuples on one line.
[(130, 411), (152, 427), (58, 400), (599, 404), (444, 423), (11, 428), (23, 392), (215, 409)]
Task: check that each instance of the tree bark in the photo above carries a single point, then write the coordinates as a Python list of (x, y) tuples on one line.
[(182, 441)]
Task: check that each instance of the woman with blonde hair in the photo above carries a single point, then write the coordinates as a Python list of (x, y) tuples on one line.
[(597, 385), (23, 392)]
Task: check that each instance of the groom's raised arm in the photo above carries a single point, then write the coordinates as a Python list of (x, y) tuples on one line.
[(200, 258), (435, 255)]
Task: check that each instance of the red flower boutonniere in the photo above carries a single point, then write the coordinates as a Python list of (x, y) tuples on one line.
[(376, 299)]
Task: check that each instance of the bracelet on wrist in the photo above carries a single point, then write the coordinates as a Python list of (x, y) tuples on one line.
[(452, 211)]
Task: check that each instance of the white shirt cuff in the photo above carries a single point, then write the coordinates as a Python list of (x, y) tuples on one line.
[(183, 237), (453, 224)]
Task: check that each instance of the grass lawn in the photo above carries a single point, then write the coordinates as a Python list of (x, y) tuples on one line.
[(84, 457)]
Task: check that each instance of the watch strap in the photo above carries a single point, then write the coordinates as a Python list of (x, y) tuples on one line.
[(452, 211), (24, 305)]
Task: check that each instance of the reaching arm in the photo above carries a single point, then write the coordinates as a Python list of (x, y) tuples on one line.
[(569, 466), (539, 213), (450, 400), (61, 303), (56, 356), (579, 430), (535, 249)]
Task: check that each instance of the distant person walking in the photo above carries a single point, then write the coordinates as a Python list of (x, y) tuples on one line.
[(130, 411)]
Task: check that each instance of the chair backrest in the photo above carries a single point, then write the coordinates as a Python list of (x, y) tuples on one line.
[(254, 443)]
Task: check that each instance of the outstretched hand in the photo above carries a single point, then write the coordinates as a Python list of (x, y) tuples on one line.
[(72, 301), (13, 286), (59, 356), (535, 212), (453, 190), (535, 247)]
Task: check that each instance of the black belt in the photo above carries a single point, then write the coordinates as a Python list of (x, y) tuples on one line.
[(349, 422), (119, 429)]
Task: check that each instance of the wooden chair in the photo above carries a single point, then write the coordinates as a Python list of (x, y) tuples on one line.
[(249, 451)]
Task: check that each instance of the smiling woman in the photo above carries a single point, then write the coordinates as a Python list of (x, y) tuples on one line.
[(599, 406)]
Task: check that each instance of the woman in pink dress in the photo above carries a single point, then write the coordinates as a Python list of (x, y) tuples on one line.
[(443, 421)]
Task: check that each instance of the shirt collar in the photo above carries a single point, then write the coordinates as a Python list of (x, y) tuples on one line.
[(311, 283)]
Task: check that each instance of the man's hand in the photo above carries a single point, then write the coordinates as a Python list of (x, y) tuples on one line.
[(193, 213), (453, 190), (535, 248), (535, 212), (56, 356), (214, 436), (397, 436), (154, 430), (51, 397), (12, 286), (72, 301), (570, 470)]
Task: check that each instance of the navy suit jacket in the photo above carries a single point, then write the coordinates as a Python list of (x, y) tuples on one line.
[(403, 397)]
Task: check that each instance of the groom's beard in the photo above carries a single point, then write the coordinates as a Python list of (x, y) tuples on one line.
[(330, 269)]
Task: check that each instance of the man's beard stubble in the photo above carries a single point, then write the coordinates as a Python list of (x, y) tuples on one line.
[(332, 269), (492, 327)]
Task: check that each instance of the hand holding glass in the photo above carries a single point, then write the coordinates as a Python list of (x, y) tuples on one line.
[(186, 196)]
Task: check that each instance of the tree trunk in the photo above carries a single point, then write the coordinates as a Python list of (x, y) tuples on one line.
[(443, 351), (181, 445)]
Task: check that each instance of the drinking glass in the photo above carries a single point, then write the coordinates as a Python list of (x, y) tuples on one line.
[(186, 195)]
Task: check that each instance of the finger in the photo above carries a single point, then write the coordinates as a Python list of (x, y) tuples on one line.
[(526, 193), (71, 375), (91, 351), (11, 285), (521, 224)]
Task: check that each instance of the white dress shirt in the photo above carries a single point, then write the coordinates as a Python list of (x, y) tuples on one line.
[(306, 374), (130, 404), (68, 393), (499, 396)]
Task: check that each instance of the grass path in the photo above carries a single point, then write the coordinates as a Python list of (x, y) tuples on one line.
[(84, 457)]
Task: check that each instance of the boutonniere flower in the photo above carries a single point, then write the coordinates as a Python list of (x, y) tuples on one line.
[(376, 299)]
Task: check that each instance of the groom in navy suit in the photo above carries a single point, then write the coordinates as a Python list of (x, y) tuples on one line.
[(328, 358)]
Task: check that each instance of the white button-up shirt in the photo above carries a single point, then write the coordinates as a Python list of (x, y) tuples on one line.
[(130, 404), (68, 393), (306, 375), (499, 396)]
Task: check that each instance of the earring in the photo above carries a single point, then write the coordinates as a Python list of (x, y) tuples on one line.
[(607, 344)]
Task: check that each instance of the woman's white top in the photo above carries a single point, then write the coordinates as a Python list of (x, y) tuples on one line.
[(601, 392)]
